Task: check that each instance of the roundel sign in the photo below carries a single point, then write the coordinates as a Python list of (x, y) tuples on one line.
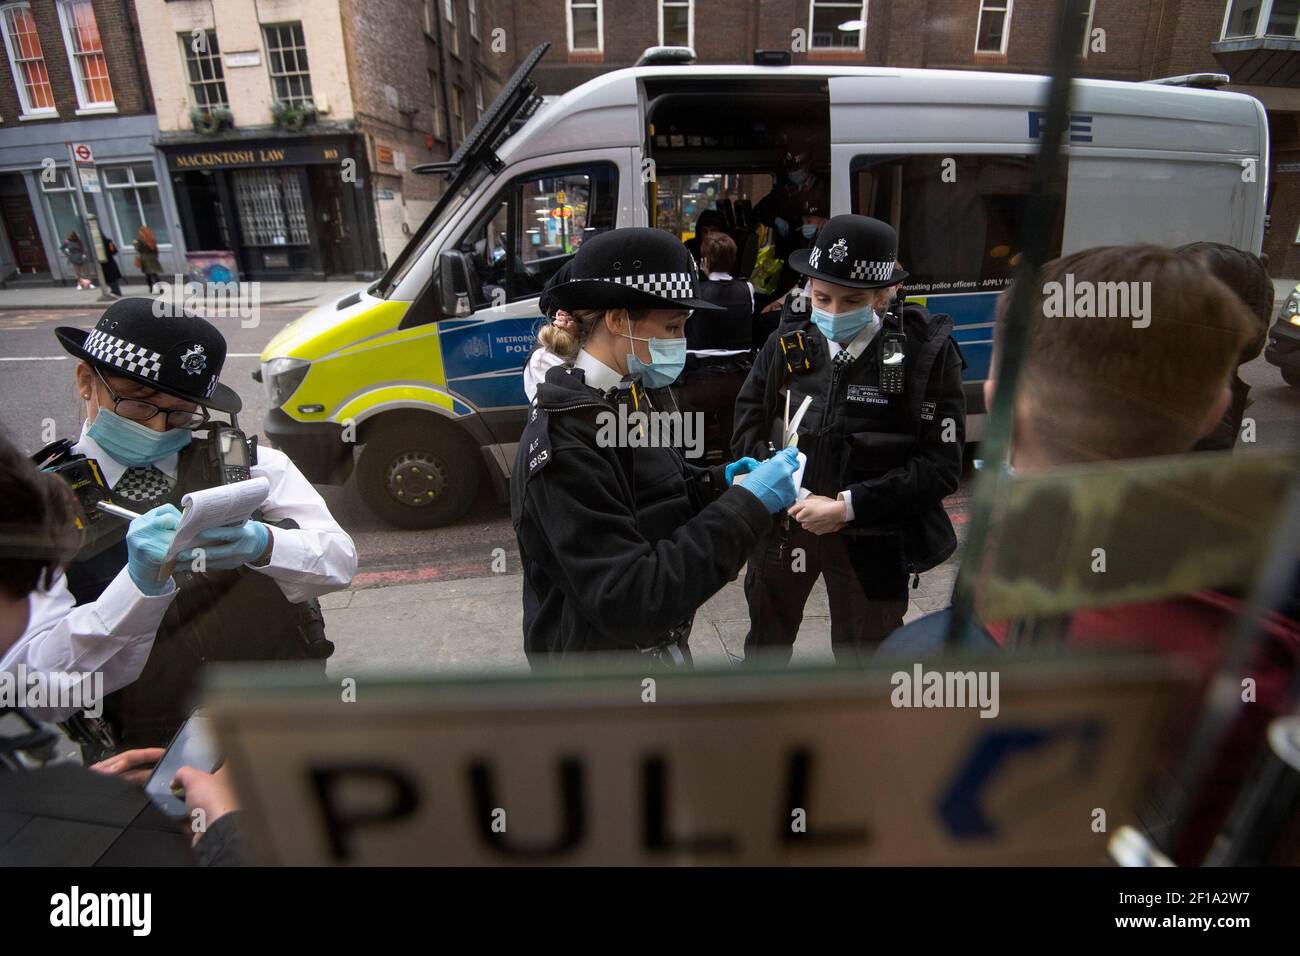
[(83, 153)]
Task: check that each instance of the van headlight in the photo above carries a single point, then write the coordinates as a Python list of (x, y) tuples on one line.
[(282, 377)]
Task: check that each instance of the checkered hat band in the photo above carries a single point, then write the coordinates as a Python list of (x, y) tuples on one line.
[(872, 271), (120, 353), (666, 285)]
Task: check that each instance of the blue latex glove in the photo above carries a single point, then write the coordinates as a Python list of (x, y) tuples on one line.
[(228, 548), (740, 466), (772, 482), (782, 227), (147, 541)]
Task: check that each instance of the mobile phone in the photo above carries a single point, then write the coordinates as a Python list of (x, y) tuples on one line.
[(191, 747)]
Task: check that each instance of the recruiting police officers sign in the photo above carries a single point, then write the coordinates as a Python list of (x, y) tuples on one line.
[(799, 768)]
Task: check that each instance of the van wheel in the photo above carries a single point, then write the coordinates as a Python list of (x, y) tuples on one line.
[(1291, 376), (418, 476)]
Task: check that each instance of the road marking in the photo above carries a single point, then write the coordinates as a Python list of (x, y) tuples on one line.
[(64, 358)]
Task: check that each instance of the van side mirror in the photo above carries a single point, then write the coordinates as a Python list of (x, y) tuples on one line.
[(454, 283)]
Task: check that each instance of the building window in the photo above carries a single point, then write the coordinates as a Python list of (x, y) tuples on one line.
[(835, 25), (1284, 21), (676, 22), (478, 96), (271, 210), (994, 27), (286, 54), (207, 77), (61, 207), (86, 52), (453, 35), (26, 61), (133, 195), (458, 113), (473, 18), (430, 6), (1242, 19), (586, 25), (437, 110)]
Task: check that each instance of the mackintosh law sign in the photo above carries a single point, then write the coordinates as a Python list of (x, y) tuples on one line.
[(287, 154)]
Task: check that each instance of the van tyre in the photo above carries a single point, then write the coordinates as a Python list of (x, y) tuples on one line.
[(419, 476), (1291, 376)]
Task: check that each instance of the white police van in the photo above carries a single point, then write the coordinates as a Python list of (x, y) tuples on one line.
[(423, 369)]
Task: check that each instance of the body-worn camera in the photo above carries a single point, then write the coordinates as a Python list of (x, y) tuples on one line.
[(797, 354), (82, 475)]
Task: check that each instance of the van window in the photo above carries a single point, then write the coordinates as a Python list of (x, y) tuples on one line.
[(533, 225), (956, 216)]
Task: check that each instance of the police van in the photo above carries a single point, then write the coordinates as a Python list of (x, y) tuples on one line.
[(422, 371)]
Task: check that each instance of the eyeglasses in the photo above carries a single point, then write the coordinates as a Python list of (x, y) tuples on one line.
[(138, 411)]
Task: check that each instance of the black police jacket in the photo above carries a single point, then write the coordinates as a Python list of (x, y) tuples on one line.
[(898, 455), (619, 545), (235, 615)]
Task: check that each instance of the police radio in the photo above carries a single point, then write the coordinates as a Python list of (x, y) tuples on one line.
[(892, 353), (231, 453)]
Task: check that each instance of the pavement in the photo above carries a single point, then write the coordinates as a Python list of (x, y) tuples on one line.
[(39, 297), (479, 622)]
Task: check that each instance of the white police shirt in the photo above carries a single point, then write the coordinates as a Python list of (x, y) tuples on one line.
[(115, 633)]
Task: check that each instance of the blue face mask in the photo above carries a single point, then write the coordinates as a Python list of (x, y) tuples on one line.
[(667, 359), (843, 326), (131, 443), (799, 176), (808, 229)]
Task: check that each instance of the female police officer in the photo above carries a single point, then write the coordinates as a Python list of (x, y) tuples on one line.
[(883, 435), (622, 540), (148, 381)]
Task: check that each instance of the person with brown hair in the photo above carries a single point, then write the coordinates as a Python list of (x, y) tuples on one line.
[(732, 329), (146, 256), (1147, 382), (1247, 275)]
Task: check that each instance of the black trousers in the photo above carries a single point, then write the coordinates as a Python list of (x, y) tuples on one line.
[(867, 598)]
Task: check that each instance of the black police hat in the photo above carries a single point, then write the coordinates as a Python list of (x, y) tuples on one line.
[(855, 251), (631, 269), (179, 355)]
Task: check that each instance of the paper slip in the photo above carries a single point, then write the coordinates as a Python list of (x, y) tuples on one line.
[(214, 508)]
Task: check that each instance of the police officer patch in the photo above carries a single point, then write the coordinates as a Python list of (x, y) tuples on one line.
[(536, 440), (868, 394)]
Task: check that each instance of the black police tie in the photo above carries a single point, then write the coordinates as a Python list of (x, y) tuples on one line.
[(843, 359), (142, 483)]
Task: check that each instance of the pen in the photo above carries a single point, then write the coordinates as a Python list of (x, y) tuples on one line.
[(116, 510)]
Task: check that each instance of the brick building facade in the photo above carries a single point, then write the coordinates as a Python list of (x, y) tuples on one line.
[(1142, 40), (73, 72)]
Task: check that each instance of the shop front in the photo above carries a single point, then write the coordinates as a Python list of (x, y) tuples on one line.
[(128, 189), (284, 208)]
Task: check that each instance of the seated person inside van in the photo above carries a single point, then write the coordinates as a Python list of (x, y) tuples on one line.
[(730, 330), (710, 223), (1104, 390)]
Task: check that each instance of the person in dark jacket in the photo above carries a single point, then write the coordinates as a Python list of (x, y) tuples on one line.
[(112, 274), (732, 328), (883, 435), (621, 539), (1247, 275)]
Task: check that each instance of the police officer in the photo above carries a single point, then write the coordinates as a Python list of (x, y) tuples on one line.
[(621, 538), (151, 383), (883, 436)]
